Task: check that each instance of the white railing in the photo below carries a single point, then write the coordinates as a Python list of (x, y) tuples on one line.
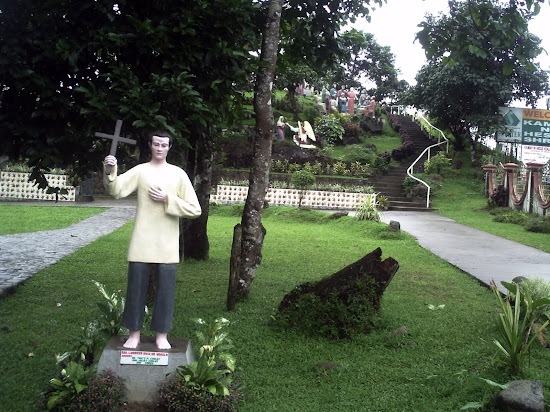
[(441, 139)]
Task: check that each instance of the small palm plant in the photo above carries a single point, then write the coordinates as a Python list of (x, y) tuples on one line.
[(515, 325)]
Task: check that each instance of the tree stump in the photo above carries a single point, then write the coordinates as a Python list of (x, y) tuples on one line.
[(343, 303)]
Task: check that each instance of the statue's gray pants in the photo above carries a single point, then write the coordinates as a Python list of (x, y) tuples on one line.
[(136, 295)]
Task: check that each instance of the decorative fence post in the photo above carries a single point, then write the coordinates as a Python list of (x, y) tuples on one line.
[(511, 182), (490, 179), (538, 203)]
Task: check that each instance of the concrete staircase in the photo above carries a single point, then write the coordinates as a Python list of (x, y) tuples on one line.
[(390, 185)]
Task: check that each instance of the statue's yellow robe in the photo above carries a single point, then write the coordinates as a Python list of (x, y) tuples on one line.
[(155, 238)]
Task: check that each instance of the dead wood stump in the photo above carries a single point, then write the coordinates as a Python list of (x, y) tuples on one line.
[(342, 304)]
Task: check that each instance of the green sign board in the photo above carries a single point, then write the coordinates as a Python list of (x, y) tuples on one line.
[(525, 126)]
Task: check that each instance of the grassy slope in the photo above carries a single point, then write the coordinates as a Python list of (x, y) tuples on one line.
[(436, 367)]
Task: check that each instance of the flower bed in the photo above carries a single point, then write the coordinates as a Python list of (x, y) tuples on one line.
[(16, 186), (315, 199)]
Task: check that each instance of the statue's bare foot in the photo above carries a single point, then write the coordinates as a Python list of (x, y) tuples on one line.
[(162, 341), (133, 340)]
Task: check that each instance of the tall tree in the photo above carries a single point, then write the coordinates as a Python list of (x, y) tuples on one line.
[(481, 57), (70, 68), (252, 229), (365, 59), (316, 23)]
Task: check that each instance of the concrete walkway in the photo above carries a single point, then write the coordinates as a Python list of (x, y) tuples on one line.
[(23, 255), (484, 256)]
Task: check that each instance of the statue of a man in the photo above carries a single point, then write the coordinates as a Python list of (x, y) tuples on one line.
[(164, 195)]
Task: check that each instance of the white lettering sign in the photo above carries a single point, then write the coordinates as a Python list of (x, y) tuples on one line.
[(134, 357)]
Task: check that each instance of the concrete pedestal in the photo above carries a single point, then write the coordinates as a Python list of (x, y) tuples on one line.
[(142, 381)]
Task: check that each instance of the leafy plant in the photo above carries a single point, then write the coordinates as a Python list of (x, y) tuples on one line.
[(105, 393), (538, 288), (382, 202), (368, 211), (89, 345), (330, 129), (437, 163), (516, 326), (74, 379), (302, 180), (213, 369), (111, 309)]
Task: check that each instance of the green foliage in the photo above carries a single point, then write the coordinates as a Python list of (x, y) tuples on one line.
[(358, 169), (302, 180), (531, 223), (537, 288), (75, 70), (538, 224), (105, 393), (213, 369), (88, 347), (358, 153), (178, 396), (435, 345), (111, 309), (74, 379), (437, 164), (339, 316), (330, 129), (368, 211), (507, 215), (487, 74), (339, 169), (515, 326)]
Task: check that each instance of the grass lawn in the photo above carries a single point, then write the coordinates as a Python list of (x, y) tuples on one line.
[(437, 366), (25, 219)]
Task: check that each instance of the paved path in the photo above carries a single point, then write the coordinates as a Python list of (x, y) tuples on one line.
[(23, 255), (478, 253)]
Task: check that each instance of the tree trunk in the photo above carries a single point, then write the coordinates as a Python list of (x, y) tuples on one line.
[(196, 229), (252, 230), (291, 94), (234, 267)]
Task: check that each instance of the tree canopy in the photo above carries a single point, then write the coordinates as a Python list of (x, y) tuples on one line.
[(481, 56), (71, 68)]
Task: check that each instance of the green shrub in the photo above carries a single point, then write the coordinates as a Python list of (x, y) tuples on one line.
[(515, 325), (330, 129), (72, 381), (339, 169), (368, 211), (538, 225), (302, 180), (336, 317), (506, 215), (359, 170), (538, 288), (358, 153), (436, 164), (105, 393), (178, 396), (204, 385)]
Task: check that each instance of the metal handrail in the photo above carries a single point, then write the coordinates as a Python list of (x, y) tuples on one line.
[(410, 169)]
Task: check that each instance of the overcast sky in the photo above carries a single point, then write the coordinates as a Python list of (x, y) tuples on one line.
[(395, 24)]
